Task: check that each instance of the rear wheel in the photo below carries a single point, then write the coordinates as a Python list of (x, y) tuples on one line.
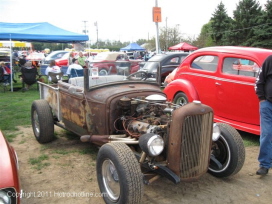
[(229, 151), (42, 121), (181, 99), (119, 175), (103, 72)]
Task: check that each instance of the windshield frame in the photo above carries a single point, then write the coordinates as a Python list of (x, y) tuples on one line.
[(138, 77)]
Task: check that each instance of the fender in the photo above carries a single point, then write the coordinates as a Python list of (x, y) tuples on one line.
[(181, 85), (9, 166)]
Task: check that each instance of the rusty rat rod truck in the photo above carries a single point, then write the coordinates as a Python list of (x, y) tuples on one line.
[(141, 135)]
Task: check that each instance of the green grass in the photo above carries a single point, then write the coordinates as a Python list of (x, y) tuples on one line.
[(16, 108), (62, 151), (250, 139), (38, 162), (10, 136)]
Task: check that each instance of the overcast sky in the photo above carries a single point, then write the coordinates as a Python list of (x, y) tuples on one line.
[(123, 20)]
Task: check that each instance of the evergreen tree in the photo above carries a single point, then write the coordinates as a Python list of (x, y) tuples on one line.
[(262, 33), (220, 24), (245, 18)]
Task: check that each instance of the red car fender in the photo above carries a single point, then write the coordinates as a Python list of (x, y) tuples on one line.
[(181, 85), (9, 175)]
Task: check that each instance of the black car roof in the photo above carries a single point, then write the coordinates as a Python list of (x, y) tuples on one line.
[(162, 56)]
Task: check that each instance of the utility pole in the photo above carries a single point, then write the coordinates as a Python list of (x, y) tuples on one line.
[(156, 19), (166, 40), (85, 31), (95, 24)]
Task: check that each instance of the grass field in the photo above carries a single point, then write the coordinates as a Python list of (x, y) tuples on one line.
[(15, 107)]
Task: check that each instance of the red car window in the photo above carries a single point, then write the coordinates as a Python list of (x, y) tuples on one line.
[(205, 62), (240, 66)]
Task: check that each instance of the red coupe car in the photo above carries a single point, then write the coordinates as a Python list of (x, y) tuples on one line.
[(224, 78), (115, 62), (9, 179)]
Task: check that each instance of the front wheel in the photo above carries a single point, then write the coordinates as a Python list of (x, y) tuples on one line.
[(181, 99), (119, 175), (42, 121), (228, 152)]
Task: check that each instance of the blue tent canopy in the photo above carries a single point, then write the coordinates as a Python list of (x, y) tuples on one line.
[(38, 32), (132, 47)]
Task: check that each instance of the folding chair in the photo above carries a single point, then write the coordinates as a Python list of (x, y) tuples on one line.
[(29, 77), (76, 73), (4, 82), (55, 77)]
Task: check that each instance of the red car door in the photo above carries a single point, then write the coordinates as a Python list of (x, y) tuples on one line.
[(235, 94), (203, 71)]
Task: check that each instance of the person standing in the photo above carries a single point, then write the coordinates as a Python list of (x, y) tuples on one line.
[(135, 55), (71, 57), (146, 56), (15, 57), (22, 60), (263, 90), (82, 60)]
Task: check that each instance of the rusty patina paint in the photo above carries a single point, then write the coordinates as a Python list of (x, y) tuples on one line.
[(175, 136), (97, 115)]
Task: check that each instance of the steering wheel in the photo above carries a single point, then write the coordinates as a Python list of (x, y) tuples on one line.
[(141, 74)]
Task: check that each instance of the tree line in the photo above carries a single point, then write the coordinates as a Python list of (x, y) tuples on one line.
[(249, 26)]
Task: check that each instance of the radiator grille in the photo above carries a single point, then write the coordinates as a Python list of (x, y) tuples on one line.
[(195, 145)]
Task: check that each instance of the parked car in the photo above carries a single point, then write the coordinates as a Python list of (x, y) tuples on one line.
[(36, 57), (168, 62), (114, 62), (141, 135), (223, 78), (54, 56), (9, 177), (4, 52), (64, 60), (170, 77), (23, 52)]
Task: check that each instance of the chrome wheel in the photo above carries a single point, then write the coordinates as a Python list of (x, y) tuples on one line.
[(103, 72), (227, 153), (181, 101), (221, 151), (119, 174), (36, 122), (111, 180)]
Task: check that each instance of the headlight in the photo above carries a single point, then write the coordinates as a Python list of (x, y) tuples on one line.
[(4, 198), (151, 144), (8, 196), (216, 132)]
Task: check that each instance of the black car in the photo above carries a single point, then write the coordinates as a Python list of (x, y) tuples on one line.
[(167, 61)]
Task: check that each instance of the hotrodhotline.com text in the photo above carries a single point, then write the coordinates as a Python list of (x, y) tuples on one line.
[(58, 194)]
